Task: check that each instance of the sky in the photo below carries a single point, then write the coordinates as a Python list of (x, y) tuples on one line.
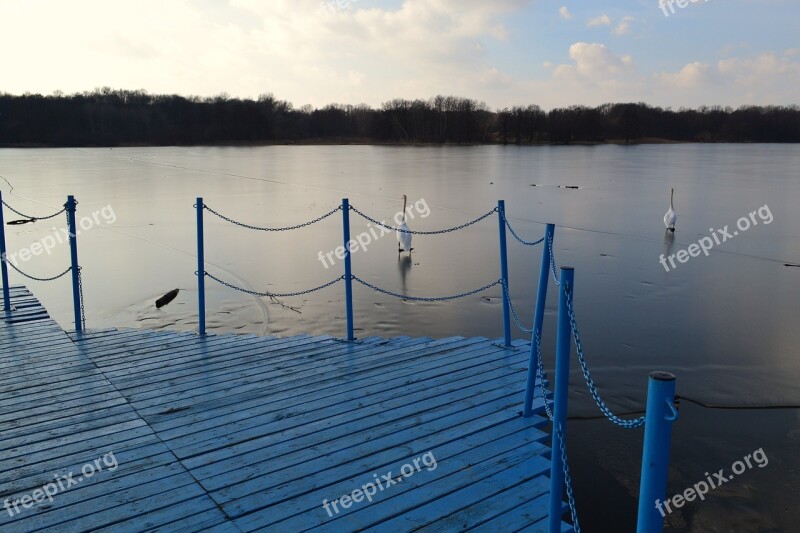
[(503, 52)]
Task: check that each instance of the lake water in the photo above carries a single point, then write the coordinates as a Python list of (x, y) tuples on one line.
[(726, 324)]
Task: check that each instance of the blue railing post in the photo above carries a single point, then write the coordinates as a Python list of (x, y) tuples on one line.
[(560, 392), (348, 270), (501, 216), (659, 417), (538, 320), (201, 269), (73, 252), (4, 266)]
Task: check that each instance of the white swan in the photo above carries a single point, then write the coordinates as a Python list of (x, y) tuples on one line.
[(671, 217), (403, 237)]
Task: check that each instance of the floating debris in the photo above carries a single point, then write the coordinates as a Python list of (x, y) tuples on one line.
[(21, 221), (167, 298)]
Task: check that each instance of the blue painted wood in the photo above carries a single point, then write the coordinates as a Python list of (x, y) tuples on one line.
[(245, 433)]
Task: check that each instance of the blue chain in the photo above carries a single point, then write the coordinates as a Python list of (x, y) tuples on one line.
[(627, 424), (553, 261), (272, 294), (568, 482), (422, 299), (520, 239), (513, 311), (260, 228), (35, 218), (541, 375), (548, 410), (437, 232)]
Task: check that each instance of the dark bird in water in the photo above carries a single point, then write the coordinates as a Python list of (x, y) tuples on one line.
[(167, 298), (21, 221)]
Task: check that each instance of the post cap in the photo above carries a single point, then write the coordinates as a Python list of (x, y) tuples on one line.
[(660, 375), (567, 268)]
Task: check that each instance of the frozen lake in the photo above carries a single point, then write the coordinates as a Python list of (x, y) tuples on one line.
[(725, 323)]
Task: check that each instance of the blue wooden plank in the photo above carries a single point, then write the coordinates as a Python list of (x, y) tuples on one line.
[(308, 369), (260, 492), (369, 435), (367, 388), (435, 508), (305, 510), (314, 421), (333, 387)]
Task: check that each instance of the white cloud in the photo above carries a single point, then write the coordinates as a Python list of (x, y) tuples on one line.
[(624, 26), (565, 14), (691, 76), (595, 60), (602, 20)]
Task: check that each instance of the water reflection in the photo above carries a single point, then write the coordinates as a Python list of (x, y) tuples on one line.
[(404, 266)]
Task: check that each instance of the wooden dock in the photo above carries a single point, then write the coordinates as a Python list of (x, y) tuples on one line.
[(247, 433)]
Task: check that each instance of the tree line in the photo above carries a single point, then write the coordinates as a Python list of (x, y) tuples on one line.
[(107, 117)]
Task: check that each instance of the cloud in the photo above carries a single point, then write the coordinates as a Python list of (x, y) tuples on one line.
[(594, 60), (692, 75), (565, 14), (624, 26), (602, 20)]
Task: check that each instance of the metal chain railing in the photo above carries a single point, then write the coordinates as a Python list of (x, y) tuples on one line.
[(627, 424), (436, 232), (549, 411), (553, 262), (514, 312), (272, 294), (260, 228), (35, 218), (51, 278), (520, 239), (80, 291), (429, 299), (568, 481), (548, 407)]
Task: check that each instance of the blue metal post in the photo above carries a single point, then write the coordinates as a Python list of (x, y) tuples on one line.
[(4, 266), (501, 215), (659, 417), (348, 270), (561, 391), (201, 269), (538, 320), (73, 252)]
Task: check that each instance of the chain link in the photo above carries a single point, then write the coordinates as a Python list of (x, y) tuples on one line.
[(80, 291), (627, 424), (423, 299), (568, 482), (272, 294), (34, 219), (52, 278), (259, 228), (437, 232), (514, 312), (553, 262), (541, 375), (520, 239)]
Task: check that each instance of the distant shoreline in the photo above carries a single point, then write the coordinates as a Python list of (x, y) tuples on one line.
[(359, 142)]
